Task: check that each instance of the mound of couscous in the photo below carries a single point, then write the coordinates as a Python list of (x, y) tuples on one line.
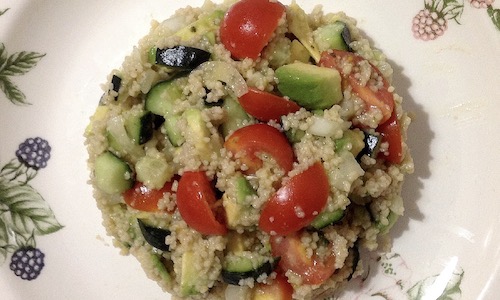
[(248, 150)]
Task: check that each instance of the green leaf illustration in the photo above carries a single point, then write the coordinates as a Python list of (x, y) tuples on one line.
[(3, 11), (451, 292), (12, 91), (28, 212), (20, 63), (4, 241), (447, 9), (15, 65), (494, 15)]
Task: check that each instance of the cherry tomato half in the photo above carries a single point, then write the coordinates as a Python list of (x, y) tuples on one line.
[(382, 98), (265, 106), (250, 140), (142, 198), (312, 270), (278, 289), (297, 202), (195, 200), (391, 133), (248, 26)]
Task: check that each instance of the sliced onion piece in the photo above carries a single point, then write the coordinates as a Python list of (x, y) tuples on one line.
[(323, 127), (226, 73)]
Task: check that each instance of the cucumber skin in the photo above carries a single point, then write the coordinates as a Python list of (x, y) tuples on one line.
[(112, 175), (161, 98), (235, 277), (327, 218), (140, 128)]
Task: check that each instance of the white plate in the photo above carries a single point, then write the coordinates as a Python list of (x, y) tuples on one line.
[(451, 84)]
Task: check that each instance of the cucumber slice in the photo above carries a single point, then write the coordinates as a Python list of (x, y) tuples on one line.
[(238, 267), (326, 218), (173, 130), (119, 140), (112, 175), (243, 190), (153, 170), (140, 127), (332, 36), (160, 100), (294, 135), (236, 116)]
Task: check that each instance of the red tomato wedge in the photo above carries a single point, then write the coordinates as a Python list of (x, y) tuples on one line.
[(278, 289), (265, 106), (312, 270), (142, 198), (297, 202), (195, 201), (248, 26), (382, 98), (248, 141), (391, 133)]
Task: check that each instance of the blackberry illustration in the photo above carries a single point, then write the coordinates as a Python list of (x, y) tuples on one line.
[(34, 153), (428, 25), (481, 3), (27, 263)]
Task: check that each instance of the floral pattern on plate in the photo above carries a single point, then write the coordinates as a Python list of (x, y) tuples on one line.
[(396, 281), (16, 64), (432, 21), (24, 213)]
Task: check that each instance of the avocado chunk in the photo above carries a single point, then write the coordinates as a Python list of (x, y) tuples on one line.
[(198, 134), (238, 206), (202, 26), (158, 263), (298, 52), (298, 25), (312, 87), (189, 275), (353, 141)]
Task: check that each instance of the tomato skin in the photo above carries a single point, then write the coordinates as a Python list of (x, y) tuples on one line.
[(247, 141), (278, 289), (248, 26), (195, 198), (391, 133), (293, 255), (307, 191), (265, 106), (382, 98), (142, 198)]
